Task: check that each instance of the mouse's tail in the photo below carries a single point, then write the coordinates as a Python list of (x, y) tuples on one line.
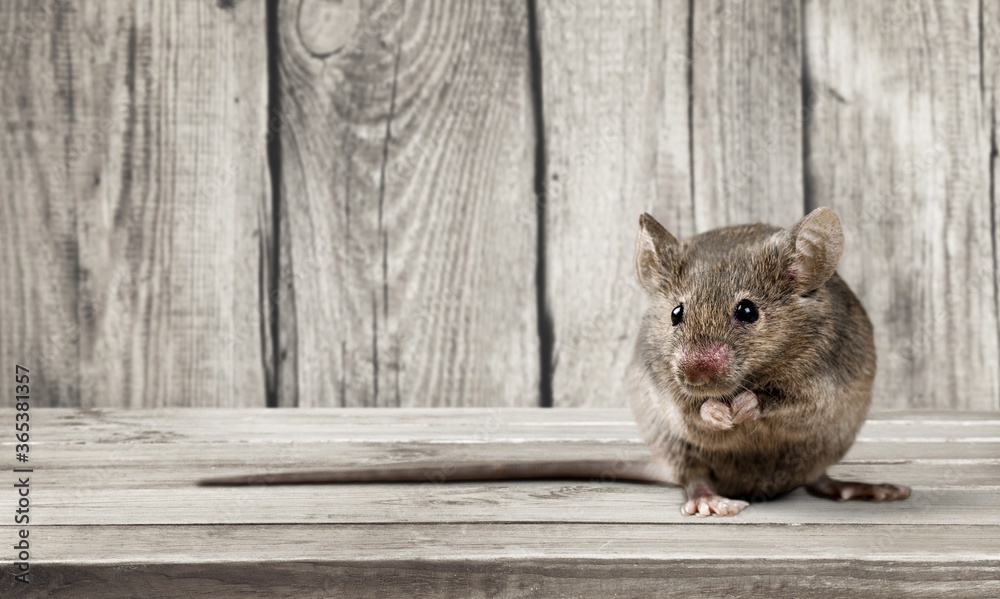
[(603, 470)]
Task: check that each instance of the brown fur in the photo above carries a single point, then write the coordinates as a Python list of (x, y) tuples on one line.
[(809, 358)]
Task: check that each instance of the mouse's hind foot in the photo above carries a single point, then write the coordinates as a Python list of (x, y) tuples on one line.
[(703, 501), (842, 490)]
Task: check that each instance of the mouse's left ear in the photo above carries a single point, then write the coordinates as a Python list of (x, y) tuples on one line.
[(817, 242)]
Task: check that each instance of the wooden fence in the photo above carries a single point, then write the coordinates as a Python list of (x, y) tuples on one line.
[(417, 203)]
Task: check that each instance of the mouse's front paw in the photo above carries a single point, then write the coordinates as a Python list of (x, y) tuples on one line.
[(717, 415), (723, 416), (745, 407)]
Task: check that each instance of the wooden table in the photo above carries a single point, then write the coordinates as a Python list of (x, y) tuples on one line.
[(115, 511)]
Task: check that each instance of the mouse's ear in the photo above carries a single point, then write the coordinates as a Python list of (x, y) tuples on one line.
[(817, 242), (655, 249)]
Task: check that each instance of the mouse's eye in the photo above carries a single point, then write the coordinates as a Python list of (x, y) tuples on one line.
[(677, 315), (746, 311)]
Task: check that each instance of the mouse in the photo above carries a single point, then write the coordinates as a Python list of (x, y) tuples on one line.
[(754, 364), (751, 375)]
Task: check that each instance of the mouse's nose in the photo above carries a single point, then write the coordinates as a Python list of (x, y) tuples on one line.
[(705, 363)]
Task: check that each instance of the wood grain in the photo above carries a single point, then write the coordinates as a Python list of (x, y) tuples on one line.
[(208, 459), (138, 246), (38, 208), (153, 465), (115, 510), (462, 560), (903, 157), (552, 501), (134, 459), (747, 113), (136, 202), (468, 425), (615, 105), (406, 168), (990, 45)]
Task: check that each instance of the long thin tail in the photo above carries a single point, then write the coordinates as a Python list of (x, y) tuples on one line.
[(604, 470)]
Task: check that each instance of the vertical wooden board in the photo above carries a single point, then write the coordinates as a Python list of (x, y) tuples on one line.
[(159, 143), (990, 44), (904, 158), (614, 87), (407, 164), (747, 112), (174, 204), (38, 213)]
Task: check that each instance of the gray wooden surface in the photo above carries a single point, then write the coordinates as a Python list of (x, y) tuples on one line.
[(134, 204), (746, 129), (392, 203), (903, 155), (115, 511), (991, 117), (614, 83), (407, 238)]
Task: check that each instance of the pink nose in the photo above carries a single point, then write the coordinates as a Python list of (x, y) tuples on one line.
[(701, 364)]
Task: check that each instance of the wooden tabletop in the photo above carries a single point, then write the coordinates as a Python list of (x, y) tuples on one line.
[(115, 511)]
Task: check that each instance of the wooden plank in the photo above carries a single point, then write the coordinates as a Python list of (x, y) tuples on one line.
[(552, 501), (517, 577), (901, 157), (990, 43), (141, 143), (38, 208), (159, 466), (128, 490), (938, 473), (406, 162), (139, 468), (615, 105), (747, 113), (457, 425), (952, 465), (506, 560)]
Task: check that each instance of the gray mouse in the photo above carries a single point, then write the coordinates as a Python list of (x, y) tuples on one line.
[(754, 365), (752, 374)]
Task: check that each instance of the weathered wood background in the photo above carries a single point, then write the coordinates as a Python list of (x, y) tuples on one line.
[(390, 203)]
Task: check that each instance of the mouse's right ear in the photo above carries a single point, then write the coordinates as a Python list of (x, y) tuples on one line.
[(655, 250)]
